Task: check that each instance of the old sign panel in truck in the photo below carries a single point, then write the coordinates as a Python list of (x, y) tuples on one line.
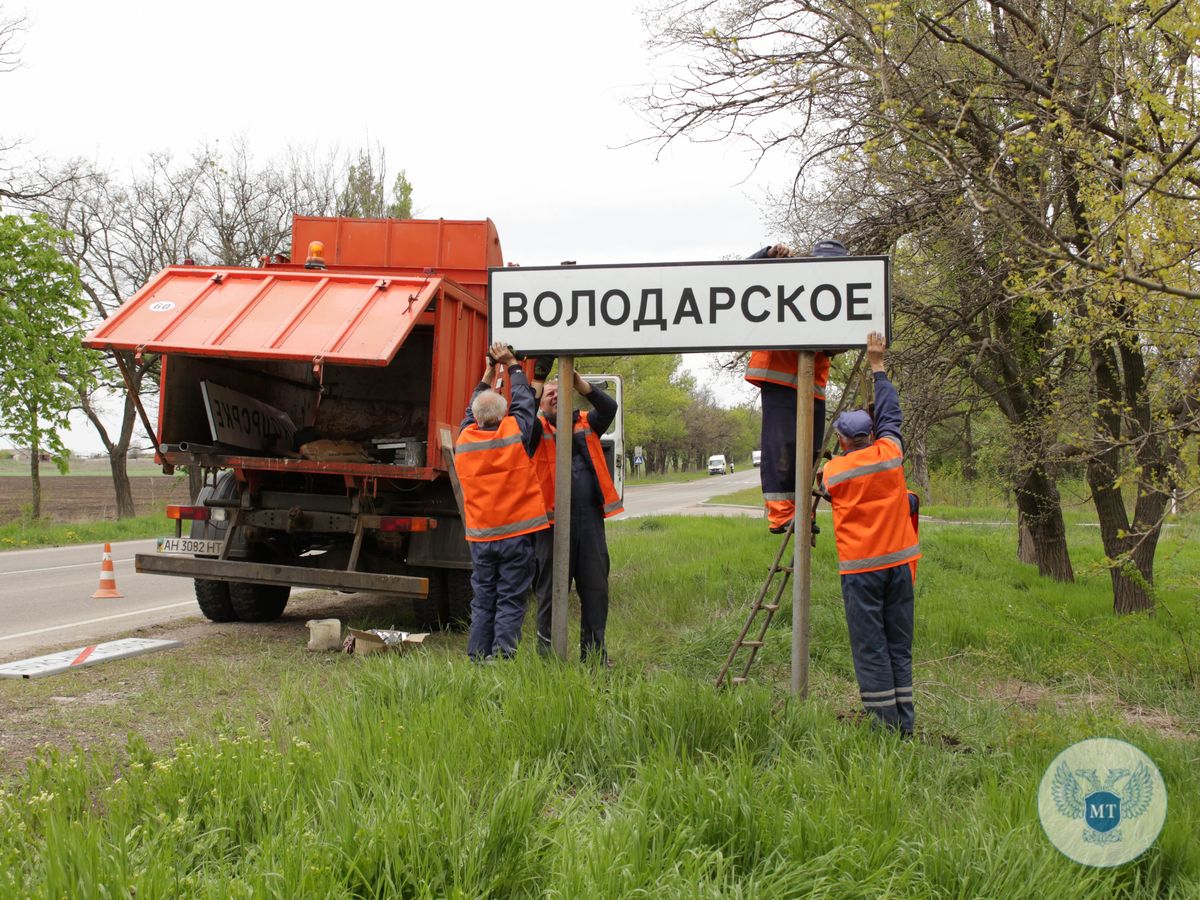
[(318, 396)]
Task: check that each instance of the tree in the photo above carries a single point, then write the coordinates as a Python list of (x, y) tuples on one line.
[(42, 363), (365, 192), (1036, 164)]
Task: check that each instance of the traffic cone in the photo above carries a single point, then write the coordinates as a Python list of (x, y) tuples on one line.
[(108, 578)]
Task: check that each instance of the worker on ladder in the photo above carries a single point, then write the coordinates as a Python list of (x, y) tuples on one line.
[(774, 373), (877, 545)]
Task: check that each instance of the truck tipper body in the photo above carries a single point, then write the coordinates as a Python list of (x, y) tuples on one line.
[(321, 396)]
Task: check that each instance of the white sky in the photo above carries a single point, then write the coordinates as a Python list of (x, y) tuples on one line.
[(517, 111)]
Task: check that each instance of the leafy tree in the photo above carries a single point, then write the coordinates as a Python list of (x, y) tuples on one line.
[(365, 193), (42, 363), (1035, 168)]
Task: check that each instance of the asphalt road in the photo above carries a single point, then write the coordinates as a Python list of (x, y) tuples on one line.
[(46, 595)]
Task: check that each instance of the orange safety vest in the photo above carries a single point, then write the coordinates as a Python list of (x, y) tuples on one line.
[(544, 463), (871, 520), (779, 367), (499, 487)]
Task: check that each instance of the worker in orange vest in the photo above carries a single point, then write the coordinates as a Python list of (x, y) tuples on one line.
[(774, 373), (502, 505), (877, 547), (594, 498)]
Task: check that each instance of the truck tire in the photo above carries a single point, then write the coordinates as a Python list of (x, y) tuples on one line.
[(458, 599), (213, 599), (258, 602), (431, 613)]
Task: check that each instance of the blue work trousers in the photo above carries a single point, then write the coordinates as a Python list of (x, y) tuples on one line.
[(501, 574), (879, 615), (777, 466), (589, 565)]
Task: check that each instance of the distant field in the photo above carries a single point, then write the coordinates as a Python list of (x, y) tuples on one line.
[(83, 498), (89, 467)]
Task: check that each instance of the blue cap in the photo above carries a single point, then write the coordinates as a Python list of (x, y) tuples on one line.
[(830, 248), (854, 423)]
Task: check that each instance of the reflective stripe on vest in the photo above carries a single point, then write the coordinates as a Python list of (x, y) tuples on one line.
[(872, 524), (545, 462), (501, 498), (779, 367)]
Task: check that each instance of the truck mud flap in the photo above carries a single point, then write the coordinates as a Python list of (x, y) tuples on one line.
[(268, 573)]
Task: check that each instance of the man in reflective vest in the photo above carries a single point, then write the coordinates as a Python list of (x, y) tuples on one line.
[(593, 499), (774, 373), (877, 548), (502, 504)]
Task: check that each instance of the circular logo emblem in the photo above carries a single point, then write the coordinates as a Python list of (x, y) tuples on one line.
[(1102, 802), (162, 306)]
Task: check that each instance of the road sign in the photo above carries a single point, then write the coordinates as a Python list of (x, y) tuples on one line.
[(740, 304), (40, 666)]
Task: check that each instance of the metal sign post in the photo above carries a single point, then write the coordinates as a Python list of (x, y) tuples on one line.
[(802, 527), (564, 439)]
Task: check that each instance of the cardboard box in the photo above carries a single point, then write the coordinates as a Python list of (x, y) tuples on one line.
[(379, 640)]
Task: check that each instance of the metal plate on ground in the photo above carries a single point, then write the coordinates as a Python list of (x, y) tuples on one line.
[(199, 546), (40, 666)]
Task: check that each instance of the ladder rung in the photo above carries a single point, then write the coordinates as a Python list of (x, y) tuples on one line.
[(787, 569), (738, 680), (770, 607), (752, 643)]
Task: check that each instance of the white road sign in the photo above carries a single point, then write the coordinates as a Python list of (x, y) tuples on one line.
[(237, 419), (757, 304), (40, 666)]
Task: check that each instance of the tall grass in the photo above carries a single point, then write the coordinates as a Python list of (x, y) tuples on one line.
[(427, 776), (28, 533)]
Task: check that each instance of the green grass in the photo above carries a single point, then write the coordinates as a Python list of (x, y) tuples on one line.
[(30, 533), (425, 776), (746, 497)]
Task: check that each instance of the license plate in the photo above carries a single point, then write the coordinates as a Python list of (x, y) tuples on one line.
[(198, 546)]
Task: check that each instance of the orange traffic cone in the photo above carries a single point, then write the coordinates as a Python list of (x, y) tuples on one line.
[(108, 578)]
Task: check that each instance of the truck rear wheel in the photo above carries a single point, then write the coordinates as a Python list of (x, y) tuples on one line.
[(458, 599), (258, 602), (213, 599)]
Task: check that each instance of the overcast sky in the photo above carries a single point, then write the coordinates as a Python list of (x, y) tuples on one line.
[(522, 112)]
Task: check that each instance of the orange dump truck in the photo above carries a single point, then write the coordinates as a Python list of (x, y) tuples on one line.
[(320, 397)]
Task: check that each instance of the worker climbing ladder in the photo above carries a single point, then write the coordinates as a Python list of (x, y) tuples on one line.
[(766, 603)]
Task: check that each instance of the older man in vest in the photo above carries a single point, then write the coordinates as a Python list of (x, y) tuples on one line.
[(502, 504), (593, 499), (774, 373), (877, 548)]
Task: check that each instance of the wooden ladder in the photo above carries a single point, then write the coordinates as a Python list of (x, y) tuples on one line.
[(767, 609)]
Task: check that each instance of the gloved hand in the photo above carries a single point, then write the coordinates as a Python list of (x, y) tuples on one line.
[(541, 367)]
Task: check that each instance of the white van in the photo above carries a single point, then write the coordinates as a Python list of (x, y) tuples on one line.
[(756, 457), (716, 465)]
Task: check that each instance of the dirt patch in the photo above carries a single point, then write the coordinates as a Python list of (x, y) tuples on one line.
[(1030, 695), (84, 498), (222, 673)]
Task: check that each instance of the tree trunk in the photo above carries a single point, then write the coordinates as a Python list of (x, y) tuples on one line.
[(119, 466), (1026, 548), (1039, 508), (1130, 556), (917, 452), (35, 481), (118, 462), (968, 469)]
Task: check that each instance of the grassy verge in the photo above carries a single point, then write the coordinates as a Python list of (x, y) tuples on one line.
[(316, 775), (33, 533)]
